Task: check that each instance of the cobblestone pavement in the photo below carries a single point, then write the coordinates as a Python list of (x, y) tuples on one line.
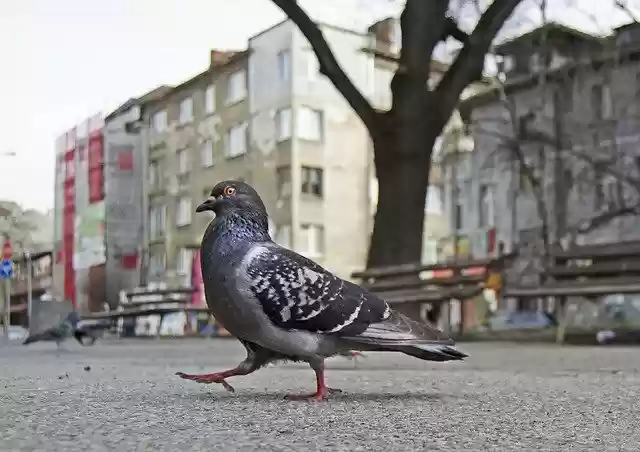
[(124, 396)]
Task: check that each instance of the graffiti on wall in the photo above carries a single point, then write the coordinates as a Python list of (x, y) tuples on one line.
[(89, 237)]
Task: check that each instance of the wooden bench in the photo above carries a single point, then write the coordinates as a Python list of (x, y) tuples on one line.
[(138, 304), (586, 273), (408, 287)]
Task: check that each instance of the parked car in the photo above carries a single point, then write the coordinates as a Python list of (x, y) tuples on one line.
[(508, 320)]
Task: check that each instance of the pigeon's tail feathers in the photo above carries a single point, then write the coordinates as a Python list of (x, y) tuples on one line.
[(399, 333), (432, 352), (398, 329)]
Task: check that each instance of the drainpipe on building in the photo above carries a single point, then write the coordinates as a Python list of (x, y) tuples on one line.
[(295, 180), (456, 230), (141, 127)]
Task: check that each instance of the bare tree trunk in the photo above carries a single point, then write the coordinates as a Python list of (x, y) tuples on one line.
[(403, 182)]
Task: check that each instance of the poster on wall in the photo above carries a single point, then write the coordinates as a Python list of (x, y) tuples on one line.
[(446, 250), (89, 247)]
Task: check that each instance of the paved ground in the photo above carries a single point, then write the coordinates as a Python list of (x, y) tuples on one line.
[(504, 397)]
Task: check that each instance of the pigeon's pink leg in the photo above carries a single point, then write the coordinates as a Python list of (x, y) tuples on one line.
[(353, 354), (321, 390), (256, 358), (217, 377)]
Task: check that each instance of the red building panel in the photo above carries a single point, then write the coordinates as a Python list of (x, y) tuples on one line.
[(96, 185), (96, 151), (96, 167)]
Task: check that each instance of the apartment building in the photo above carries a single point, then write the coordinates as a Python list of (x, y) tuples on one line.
[(98, 207), (581, 130), (267, 116), (197, 134)]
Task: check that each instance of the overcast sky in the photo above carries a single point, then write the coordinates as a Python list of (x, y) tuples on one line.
[(65, 60)]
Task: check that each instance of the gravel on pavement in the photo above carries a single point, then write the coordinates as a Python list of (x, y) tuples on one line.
[(122, 395)]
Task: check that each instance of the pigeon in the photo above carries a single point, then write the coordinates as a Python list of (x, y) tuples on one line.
[(283, 306), (70, 326)]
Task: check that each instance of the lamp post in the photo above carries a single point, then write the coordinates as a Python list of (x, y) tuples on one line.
[(28, 263), (7, 253)]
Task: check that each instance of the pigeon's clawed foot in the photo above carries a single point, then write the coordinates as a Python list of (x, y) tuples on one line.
[(318, 396), (208, 379), (321, 389)]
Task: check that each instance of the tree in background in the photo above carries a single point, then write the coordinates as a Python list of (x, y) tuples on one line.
[(25, 227), (404, 136)]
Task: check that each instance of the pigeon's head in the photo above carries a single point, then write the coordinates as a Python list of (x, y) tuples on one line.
[(232, 195)]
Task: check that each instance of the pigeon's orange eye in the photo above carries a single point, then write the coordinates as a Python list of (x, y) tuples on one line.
[(228, 191)]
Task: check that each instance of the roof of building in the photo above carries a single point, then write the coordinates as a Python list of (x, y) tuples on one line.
[(234, 57), (512, 84), (549, 28), (148, 97)]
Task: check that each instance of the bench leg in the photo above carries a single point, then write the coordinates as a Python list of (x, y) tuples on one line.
[(411, 310), (159, 326), (562, 321), (445, 315)]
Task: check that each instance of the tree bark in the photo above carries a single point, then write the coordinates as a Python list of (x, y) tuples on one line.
[(402, 189)]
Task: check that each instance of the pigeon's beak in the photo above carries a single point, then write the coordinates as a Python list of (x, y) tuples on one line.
[(208, 204)]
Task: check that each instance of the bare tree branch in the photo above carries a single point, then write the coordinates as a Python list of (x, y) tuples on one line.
[(624, 7), (329, 66), (593, 223), (469, 63), (452, 29), (632, 181)]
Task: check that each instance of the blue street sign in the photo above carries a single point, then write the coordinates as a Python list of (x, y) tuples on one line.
[(6, 269)]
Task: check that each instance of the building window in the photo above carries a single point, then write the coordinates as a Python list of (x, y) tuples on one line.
[(183, 213), (601, 101), (457, 207), (157, 221), (284, 65), (210, 99), (429, 251), (206, 154), (157, 263), (311, 240), (237, 87), (236, 140), (309, 125), (184, 261), (283, 176), (186, 110), (154, 175), (536, 63), (433, 205), (159, 121), (283, 235), (599, 183), (311, 181), (283, 124), (184, 165), (487, 206), (313, 68)]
